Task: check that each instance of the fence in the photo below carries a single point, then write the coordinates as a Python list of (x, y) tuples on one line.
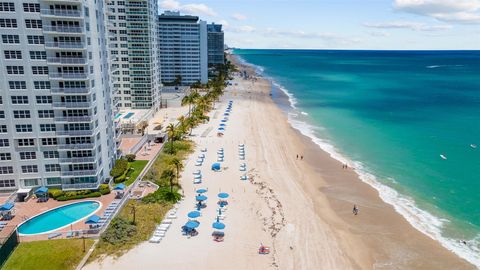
[(8, 244)]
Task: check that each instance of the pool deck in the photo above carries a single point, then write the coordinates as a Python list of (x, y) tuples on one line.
[(26, 210)]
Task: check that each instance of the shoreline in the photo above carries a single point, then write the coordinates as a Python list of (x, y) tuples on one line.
[(343, 193)]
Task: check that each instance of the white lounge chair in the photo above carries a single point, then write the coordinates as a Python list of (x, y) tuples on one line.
[(155, 239), (197, 181), (198, 163)]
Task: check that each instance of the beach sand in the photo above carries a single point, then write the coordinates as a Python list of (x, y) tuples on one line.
[(301, 209)]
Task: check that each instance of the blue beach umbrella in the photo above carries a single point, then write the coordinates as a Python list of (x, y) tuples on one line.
[(221, 128), (201, 198), (41, 190), (223, 195), (226, 114), (193, 214), (93, 219), (218, 225), (223, 120), (6, 206), (192, 224), (201, 190), (222, 124), (216, 166), (120, 187)]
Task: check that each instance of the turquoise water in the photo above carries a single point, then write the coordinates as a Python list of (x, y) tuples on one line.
[(128, 115), (57, 218), (392, 114), (117, 116)]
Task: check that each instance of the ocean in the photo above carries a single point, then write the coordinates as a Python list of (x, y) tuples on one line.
[(392, 115)]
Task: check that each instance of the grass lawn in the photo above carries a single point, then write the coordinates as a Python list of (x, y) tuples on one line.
[(62, 254), (147, 216), (137, 167)]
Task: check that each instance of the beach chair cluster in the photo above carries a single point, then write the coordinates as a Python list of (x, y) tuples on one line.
[(197, 177), (220, 155), (112, 207), (241, 156), (200, 159), (3, 224), (226, 114), (163, 227)]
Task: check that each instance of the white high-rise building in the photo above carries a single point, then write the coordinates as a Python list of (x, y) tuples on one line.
[(56, 111), (132, 26), (183, 48)]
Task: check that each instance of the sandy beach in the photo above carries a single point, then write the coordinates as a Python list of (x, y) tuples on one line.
[(301, 209)]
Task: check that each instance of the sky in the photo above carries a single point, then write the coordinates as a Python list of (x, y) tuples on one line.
[(341, 24)]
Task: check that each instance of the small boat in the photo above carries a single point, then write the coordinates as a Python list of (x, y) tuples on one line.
[(473, 146), (443, 156)]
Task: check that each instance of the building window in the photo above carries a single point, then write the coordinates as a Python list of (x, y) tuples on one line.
[(7, 183), (36, 40), (21, 114), (5, 156), (49, 141), (10, 39), (38, 55), (39, 70), (45, 114), (28, 155), (44, 99), (13, 54), (3, 129), (15, 70), (19, 99), (47, 127), (4, 143), (2, 114), (8, 23), (37, 24), (17, 85), (7, 7), (26, 142), (52, 167), (30, 182), (50, 154), (29, 169), (23, 128), (40, 85), (31, 7), (6, 170)]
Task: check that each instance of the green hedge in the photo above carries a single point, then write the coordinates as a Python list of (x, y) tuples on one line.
[(79, 196), (121, 165), (104, 189), (122, 177), (61, 195), (55, 193)]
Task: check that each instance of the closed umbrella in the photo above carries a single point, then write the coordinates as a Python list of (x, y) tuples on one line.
[(193, 214)]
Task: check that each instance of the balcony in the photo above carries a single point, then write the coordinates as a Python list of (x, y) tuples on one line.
[(80, 186), (75, 132), (72, 104), (78, 90), (66, 61), (76, 146), (77, 160), (80, 173), (63, 29), (73, 119), (68, 76), (61, 13), (65, 45)]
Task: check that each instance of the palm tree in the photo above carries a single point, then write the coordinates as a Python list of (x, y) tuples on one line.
[(190, 99), (177, 163), (171, 134), (169, 174)]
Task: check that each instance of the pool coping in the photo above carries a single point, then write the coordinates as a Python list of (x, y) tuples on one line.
[(46, 232)]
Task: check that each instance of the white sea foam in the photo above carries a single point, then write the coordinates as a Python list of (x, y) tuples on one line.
[(420, 219), (304, 113), (441, 66)]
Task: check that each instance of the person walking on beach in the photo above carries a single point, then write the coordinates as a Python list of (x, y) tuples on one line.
[(301, 157), (355, 209), (297, 156)]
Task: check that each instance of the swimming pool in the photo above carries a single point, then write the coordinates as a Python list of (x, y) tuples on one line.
[(128, 115), (58, 217)]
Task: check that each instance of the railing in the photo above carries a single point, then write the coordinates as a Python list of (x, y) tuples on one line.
[(63, 29), (74, 118), (65, 60), (81, 186), (77, 160), (72, 104), (63, 13), (76, 146), (79, 173), (68, 75), (78, 90), (65, 45), (75, 132)]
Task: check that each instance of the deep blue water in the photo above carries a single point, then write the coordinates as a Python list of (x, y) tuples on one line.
[(396, 112)]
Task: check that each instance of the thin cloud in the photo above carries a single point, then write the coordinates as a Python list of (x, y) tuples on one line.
[(239, 17), (408, 25), (241, 29), (458, 11), (195, 9), (329, 38)]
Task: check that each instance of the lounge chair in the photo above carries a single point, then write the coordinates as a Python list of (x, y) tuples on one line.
[(243, 177), (54, 235), (155, 239), (198, 163), (197, 181)]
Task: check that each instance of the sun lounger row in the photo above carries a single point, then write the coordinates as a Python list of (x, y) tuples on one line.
[(163, 227), (243, 167), (197, 177), (200, 160), (220, 155)]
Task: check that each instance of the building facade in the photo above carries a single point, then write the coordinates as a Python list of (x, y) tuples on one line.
[(216, 44), (132, 26), (56, 110), (182, 49)]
